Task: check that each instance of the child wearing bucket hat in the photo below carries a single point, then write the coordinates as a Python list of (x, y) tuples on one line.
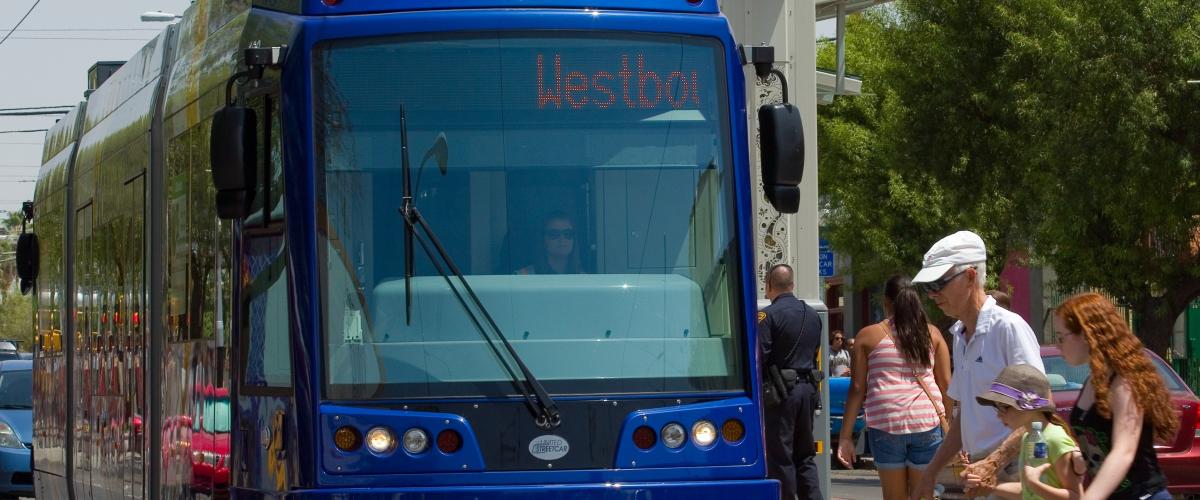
[(1021, 396)]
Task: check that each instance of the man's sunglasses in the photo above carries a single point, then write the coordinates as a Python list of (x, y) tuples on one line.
[(937, 286), (554, 234)]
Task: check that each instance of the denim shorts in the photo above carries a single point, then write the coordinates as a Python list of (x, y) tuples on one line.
[(897, 451)]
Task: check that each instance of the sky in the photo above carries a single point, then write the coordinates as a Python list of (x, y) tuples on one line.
[(45, 62)]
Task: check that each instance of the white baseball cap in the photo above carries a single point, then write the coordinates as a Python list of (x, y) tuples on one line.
[(963, 247)]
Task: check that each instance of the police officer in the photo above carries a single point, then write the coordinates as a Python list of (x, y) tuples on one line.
[(789, 332)]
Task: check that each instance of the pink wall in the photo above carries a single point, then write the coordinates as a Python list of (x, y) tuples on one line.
[(1015, 280)]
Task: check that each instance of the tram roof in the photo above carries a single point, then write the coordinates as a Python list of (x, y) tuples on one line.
[(343, 7)]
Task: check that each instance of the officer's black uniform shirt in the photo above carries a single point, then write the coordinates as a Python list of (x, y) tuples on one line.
[(789, 322)]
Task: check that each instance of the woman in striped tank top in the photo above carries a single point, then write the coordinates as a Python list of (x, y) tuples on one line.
[(903, 426)]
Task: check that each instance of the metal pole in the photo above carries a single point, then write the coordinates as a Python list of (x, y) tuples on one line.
[(841, 50)]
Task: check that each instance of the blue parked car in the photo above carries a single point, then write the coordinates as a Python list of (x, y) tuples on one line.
[(839, 388), (16, 428)]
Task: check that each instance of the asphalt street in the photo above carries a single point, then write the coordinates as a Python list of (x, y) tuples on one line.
[(858, 484)]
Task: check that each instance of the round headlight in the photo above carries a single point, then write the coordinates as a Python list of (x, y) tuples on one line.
[(416, 441), (673, 435), (704, 433), (380, 440)]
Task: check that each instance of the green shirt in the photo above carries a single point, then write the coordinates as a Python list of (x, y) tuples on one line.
[(1058, 443)]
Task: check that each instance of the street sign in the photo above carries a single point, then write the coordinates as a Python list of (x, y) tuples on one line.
[(825, 263)]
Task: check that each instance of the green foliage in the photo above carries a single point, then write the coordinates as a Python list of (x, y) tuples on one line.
[(16, 319), (12, 221), (1063, 129)]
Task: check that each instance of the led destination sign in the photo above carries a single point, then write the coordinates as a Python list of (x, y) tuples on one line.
[(629, 83)]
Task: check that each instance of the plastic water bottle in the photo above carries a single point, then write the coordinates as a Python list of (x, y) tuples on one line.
[(1038, 452)]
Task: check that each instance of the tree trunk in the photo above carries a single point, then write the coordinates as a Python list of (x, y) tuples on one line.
[(1156, 315), (1155, 322)]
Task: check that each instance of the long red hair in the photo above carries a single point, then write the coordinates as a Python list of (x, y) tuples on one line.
[(1117, 351)]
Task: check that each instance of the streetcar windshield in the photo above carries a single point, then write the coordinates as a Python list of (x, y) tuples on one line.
[(583, 185)]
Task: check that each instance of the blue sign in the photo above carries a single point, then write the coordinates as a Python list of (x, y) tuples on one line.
[(825, 262)]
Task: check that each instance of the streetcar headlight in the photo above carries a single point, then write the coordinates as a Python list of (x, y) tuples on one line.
[(704, 433), (416, 441), (673, 435), (380, 440)]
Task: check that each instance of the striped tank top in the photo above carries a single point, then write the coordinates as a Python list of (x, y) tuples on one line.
[(895, 402)]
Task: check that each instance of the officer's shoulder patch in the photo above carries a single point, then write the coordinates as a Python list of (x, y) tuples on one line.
[(761, 316)]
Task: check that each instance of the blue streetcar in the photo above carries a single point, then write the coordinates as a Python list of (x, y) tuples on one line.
[(400, 249)]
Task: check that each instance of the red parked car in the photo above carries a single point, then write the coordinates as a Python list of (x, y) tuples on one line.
[(1179, 459)]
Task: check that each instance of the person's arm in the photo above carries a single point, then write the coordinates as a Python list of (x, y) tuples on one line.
[(1072, 484), (941, 366), (1127, 430), (854, 402), (1008, 491), (985, 470), (764, 338), (951, 445)]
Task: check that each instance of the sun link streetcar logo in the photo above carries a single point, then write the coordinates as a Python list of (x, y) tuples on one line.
[(549, 447)]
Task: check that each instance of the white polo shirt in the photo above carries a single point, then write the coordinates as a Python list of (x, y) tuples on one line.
[(1002, 338)]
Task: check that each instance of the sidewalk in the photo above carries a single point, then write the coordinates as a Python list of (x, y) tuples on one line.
[(862, 483)]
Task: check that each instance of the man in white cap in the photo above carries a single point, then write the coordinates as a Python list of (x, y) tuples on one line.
[(987, 338)]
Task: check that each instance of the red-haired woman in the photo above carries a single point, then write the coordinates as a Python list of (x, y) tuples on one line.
[(1122, 407)]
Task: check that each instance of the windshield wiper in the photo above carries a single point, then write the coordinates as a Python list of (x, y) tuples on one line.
[(15, 407), (539, 402)]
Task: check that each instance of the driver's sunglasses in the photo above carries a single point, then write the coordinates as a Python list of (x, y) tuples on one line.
[(937, 286), (555, 234)]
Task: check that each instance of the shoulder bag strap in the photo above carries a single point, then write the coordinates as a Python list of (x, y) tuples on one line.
[(929, 394), (945, 422)]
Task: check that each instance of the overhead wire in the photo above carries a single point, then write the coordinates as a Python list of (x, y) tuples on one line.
[(23, 18), (26, 30), (36, 113), (91, 38), (31, 108)]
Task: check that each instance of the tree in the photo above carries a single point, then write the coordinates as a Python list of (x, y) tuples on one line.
[(16, 319), (1061, 129)]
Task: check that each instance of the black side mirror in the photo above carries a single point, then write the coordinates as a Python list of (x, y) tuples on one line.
[(234, 152), (27, 261), (782, 136)]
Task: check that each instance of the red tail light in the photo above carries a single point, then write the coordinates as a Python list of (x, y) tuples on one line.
[(449, 441), (644, 437), (1198, 421)]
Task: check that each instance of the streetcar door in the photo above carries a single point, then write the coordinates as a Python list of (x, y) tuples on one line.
[(85, 352), (265, 416)]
